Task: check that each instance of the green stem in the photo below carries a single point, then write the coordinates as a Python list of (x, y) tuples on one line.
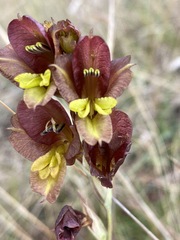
[(108, 206)]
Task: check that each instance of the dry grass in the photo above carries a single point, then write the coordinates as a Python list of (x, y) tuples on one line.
[(148, 182)]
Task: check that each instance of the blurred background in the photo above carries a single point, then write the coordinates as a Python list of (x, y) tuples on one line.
[(148, 182)]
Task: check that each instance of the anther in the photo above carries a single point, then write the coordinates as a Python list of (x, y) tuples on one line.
[(39, 47), (85, 72), (52, 126), (91, 72)]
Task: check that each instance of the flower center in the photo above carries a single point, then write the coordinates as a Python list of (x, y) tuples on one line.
[(52, 126)]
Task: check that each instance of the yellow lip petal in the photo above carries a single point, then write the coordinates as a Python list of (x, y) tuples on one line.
[(80, 106), (104, 105)]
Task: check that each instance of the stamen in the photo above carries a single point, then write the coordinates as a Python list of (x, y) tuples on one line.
[(39, 47), (91, 72), (97, 73), (85, 72), (52, 126)]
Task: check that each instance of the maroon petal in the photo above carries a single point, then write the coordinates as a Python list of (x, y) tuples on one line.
[(10, 64), (23, 144), (91, 52), (25, 31), (105, 159), (120, 76), (65, 37), (74, 149), (34, 121), (63, 77)]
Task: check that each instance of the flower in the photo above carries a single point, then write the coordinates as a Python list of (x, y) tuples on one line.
[(32, 48), (69, 223), (105, 159), (90, 83), (46, 137)]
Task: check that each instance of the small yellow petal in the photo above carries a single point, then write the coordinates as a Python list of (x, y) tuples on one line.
[(31, 80), (28, 80), (54, 171), (41, 162), (104, 105), (45, 78), (44, 173), (81, 106)]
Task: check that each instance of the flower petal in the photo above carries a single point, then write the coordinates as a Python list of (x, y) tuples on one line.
[(80, 106), (95, 130), (29, 80), (105, 159), (23, 144), (34, 96), (38, 95), (33, 121), (120, 76), (63, 77), (10, 64), (104, 105), (25, 31), (91, 52), (49, 187)]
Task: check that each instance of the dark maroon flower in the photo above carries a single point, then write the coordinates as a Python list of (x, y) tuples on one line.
[(46, 137), (105, 159), (32, 49), (90, 82), (68, 223), (65, 37)]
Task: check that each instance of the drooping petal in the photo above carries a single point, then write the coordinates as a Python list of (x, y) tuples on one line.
[(105, 159), (10, 64), (91, 52), (25, 31), (74, 150), (120, 76), (63, 77), (38, 95), (49, 187), (95, 130), (23, 144)]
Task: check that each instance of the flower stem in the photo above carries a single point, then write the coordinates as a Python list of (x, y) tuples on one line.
[(108, 206)]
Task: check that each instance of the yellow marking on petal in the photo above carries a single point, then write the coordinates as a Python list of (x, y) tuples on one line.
[(49, 185), (44, 173), (54, 171), (41, 162), (104, 105), (31, 80), (45, 78), (91, 126), (80, 106)]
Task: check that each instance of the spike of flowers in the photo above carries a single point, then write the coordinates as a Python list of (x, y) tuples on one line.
[(52, 60)]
